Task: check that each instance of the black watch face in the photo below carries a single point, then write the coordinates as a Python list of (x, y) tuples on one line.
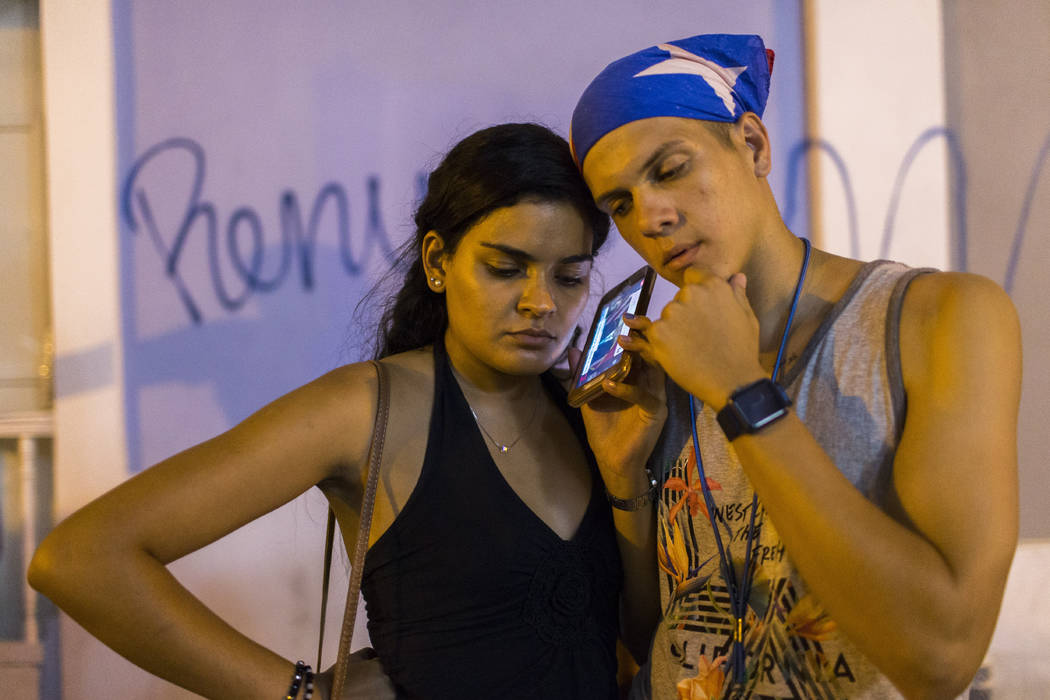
[(760, 405)]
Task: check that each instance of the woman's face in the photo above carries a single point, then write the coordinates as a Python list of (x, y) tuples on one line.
[(514, 287)]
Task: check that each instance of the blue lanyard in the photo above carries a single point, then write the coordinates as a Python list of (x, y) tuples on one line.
[(740, 591)]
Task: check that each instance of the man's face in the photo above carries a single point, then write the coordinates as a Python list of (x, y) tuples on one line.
[(679, 193)]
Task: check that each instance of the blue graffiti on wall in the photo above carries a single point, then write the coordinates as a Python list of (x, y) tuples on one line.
[(297, 241), (957, 168)]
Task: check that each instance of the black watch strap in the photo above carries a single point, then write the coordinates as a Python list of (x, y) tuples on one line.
[(732, 424), (753, 407)]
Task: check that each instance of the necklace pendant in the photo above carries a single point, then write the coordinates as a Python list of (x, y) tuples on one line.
[(503, 449)]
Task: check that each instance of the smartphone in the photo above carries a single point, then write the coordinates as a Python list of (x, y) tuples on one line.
[(602, 355)]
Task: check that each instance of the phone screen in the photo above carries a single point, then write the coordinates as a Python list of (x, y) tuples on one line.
[(604, 351)]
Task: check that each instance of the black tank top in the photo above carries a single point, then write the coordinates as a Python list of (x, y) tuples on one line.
[(471, 595)]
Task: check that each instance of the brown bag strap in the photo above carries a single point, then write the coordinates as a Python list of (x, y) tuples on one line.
[(329, 537), (375, 457)]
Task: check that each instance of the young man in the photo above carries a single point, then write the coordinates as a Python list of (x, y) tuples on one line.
[(850, 538)]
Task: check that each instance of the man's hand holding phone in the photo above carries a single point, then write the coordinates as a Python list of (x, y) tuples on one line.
[(706, 338)]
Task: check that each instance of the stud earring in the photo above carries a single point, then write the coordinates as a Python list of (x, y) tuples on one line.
[(435, 281)]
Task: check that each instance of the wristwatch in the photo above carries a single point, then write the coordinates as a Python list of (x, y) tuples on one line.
[(752, 408)]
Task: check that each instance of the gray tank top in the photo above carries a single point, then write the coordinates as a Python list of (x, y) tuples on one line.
[(847, 388)]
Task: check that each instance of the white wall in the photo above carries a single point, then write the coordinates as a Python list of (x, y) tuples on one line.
[(81, 165), (1002, 120), (877, 87), (24, 306)]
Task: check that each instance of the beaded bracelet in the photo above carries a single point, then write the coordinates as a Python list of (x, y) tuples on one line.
[(302, 673)]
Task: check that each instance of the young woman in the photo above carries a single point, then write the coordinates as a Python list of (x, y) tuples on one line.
[(493, 568)]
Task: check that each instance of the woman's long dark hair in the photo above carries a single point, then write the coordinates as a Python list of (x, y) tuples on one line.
[(490, 169)]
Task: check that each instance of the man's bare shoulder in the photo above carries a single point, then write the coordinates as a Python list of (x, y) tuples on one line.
[(968, 301), (962, 322)]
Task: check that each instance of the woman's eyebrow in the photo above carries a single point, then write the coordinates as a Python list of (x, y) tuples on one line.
[(516, 253), (523, 256)]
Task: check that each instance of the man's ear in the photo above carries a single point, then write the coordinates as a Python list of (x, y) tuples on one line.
[(434, 256), (752, 132)]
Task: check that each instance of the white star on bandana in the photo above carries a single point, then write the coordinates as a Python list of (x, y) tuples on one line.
[(722, 79)]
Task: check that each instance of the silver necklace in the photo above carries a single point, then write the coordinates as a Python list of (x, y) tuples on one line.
[(502, 448)]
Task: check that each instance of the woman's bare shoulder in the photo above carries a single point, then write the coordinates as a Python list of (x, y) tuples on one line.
[(350, 393), (411, 375)]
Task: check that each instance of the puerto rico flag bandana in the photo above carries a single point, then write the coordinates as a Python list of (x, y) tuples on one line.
[(715, 77)]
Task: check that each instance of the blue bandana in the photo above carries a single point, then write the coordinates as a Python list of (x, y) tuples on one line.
[(715, 77)]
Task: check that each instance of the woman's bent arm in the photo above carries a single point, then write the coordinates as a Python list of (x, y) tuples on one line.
[(106, 564)]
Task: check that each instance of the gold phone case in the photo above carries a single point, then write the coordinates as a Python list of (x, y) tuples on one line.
[(581, 394)]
